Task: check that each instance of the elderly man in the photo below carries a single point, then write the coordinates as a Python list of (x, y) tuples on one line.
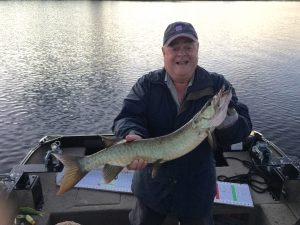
[(161, 102)]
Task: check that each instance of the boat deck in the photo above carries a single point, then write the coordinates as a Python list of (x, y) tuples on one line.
[(94, 207)]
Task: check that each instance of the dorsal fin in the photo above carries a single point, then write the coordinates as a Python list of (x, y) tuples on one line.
[(109, 141)]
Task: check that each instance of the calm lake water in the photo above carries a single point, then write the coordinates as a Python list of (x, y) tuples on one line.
[(65, 66)]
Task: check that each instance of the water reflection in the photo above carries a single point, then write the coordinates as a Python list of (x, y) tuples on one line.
[(66, 66)]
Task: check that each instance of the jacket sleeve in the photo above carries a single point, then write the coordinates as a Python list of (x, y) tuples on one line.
[(132, 117), (241, 128)]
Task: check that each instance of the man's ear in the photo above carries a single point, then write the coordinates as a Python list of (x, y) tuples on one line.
[(163, 50), (197, 45)]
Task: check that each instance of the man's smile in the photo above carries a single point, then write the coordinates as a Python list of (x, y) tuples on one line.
[(184, 62)]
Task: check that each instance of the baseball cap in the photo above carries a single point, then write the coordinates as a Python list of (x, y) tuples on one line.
[(179, 29)]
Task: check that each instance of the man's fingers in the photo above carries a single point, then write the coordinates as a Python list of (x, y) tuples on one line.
[(137, 164), (141, 164), (132, 137), (134, 165)]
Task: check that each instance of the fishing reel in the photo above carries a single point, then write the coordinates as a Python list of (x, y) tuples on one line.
[(260, 153), (51, 163)]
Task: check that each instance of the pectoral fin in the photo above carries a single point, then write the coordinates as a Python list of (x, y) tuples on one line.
[(110, 172), (211, 140)]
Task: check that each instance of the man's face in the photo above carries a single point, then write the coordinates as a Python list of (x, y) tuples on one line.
[(181, 58)]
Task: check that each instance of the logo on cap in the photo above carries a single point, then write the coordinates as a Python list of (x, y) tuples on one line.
[(178, 28)]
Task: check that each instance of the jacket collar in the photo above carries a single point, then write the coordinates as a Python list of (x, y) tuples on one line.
[(202, 84)]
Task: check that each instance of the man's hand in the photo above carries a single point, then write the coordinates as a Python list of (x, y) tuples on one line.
[(138, 163), (132, 137)]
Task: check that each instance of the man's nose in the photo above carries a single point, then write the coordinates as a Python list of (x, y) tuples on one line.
[(182, 51)]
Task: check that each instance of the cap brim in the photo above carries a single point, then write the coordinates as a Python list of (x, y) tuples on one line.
[(180, 35)]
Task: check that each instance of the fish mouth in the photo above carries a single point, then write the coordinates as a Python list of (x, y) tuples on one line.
[(224, 99), (221, 107)]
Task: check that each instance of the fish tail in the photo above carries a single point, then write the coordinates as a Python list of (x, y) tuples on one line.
[(72, 172)]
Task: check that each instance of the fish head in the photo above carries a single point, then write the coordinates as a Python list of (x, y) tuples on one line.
[(214, 111)]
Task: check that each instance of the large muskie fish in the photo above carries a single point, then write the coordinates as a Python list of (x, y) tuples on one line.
[(153, 150)]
